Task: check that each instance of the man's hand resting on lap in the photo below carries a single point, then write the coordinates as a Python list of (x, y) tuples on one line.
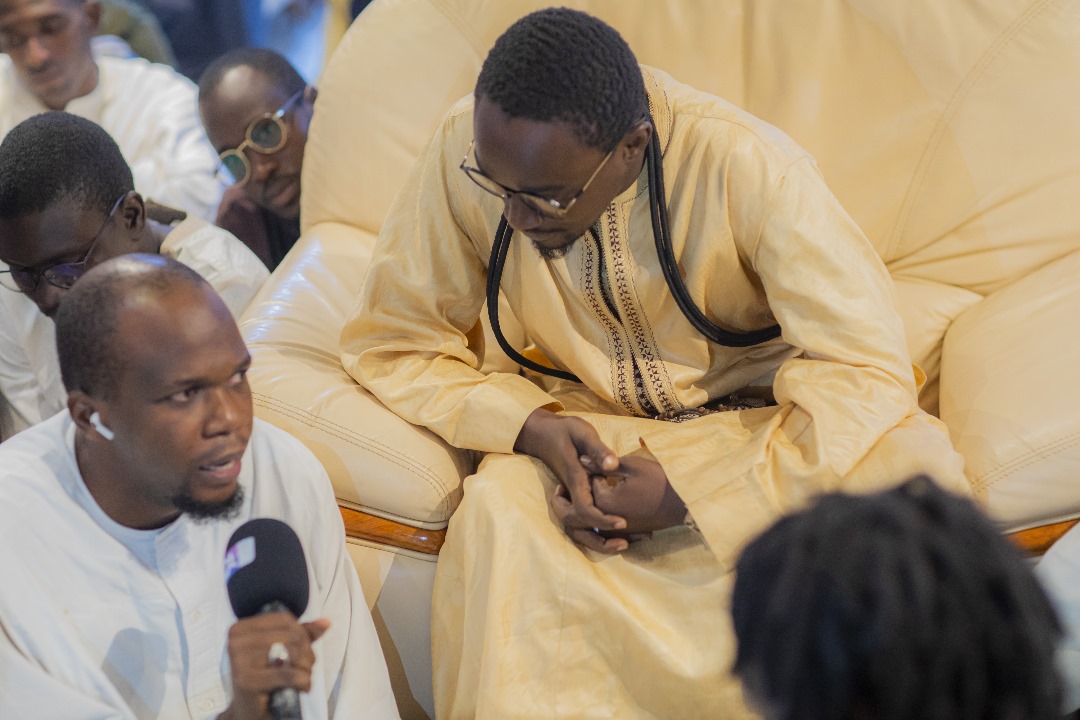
[(569, 446), (603, 501), (640, 493)]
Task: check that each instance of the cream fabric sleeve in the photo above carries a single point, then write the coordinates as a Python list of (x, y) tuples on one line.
[(231, 268), (847, 414), (413, 339), (18, 383)]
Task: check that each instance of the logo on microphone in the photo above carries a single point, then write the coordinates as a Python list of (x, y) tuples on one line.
[(239, 556)]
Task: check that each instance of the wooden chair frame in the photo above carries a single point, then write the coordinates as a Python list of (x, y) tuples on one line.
[(363, 526)]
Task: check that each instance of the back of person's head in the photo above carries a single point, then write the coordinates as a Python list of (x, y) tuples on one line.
[(270, 64), (86, 322), (564, 65), (56, 156), (903, 605)]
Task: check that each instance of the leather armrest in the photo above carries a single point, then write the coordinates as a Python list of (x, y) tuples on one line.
[(377, 462), (1010, 398)]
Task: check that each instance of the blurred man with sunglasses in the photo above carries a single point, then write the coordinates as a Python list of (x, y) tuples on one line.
[(149, 109), (256, 109), (551, 598), (68, 203)]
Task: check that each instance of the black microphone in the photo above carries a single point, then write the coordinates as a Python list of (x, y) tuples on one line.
[(265, 571)]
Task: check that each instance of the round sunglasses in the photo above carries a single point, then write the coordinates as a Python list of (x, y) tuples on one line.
[(266, 134)]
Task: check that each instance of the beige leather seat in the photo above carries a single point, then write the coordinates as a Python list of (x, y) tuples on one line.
[(950, 131)]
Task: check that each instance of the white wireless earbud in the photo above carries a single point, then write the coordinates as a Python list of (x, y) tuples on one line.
[(105, 432)]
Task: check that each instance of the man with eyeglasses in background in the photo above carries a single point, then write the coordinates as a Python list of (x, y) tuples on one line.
[(551, 598), (68, 202), (149, 109), (256, 109)]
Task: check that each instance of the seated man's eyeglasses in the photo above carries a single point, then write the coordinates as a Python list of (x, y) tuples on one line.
[(540, 205), (62, 275), (266, 134)]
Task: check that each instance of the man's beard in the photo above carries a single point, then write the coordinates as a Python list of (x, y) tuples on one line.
[(206, 512), (552, 253)]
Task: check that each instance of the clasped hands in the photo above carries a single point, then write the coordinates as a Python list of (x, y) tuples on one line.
[(603, 501)]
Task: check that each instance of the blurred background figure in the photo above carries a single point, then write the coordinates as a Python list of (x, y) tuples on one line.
[(902, 605), (256, 109), (148, 109), (127, 29), (200, 31)]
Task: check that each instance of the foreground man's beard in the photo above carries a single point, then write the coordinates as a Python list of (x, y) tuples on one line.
[(206, 512)]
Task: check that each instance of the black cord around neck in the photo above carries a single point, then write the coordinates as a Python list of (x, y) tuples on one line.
[(666, 255), (499, 249)]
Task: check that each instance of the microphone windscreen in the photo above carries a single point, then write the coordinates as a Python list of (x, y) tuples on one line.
[(265, 563)]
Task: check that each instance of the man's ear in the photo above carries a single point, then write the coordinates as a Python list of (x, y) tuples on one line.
[(133, 214), (81, 406), (636, 140), (92, 8)]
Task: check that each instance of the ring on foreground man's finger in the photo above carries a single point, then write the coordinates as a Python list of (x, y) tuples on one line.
[(278, 655)]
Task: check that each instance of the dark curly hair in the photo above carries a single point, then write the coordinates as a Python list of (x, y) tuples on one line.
[(562, 64), (904, 605), (55, 156)]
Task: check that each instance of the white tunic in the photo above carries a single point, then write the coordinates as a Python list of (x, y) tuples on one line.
[(152, 113), (101, 621), (1059, 571), (30, 385)]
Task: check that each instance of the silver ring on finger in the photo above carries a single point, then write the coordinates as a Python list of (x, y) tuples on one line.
[(278, 655)]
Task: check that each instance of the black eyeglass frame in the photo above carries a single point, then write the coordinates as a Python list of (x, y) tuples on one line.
[(276, 118), (73, 270), (541, 205)]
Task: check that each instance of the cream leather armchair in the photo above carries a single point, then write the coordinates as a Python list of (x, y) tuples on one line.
[(950, 131)]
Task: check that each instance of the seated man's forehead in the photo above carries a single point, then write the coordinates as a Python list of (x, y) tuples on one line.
[(243, 95), (247, 91)]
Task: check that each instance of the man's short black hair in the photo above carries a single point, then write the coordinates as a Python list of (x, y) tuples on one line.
[(272, 65), (562, 64), (88, 316), (56, 156), (907, 603)]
